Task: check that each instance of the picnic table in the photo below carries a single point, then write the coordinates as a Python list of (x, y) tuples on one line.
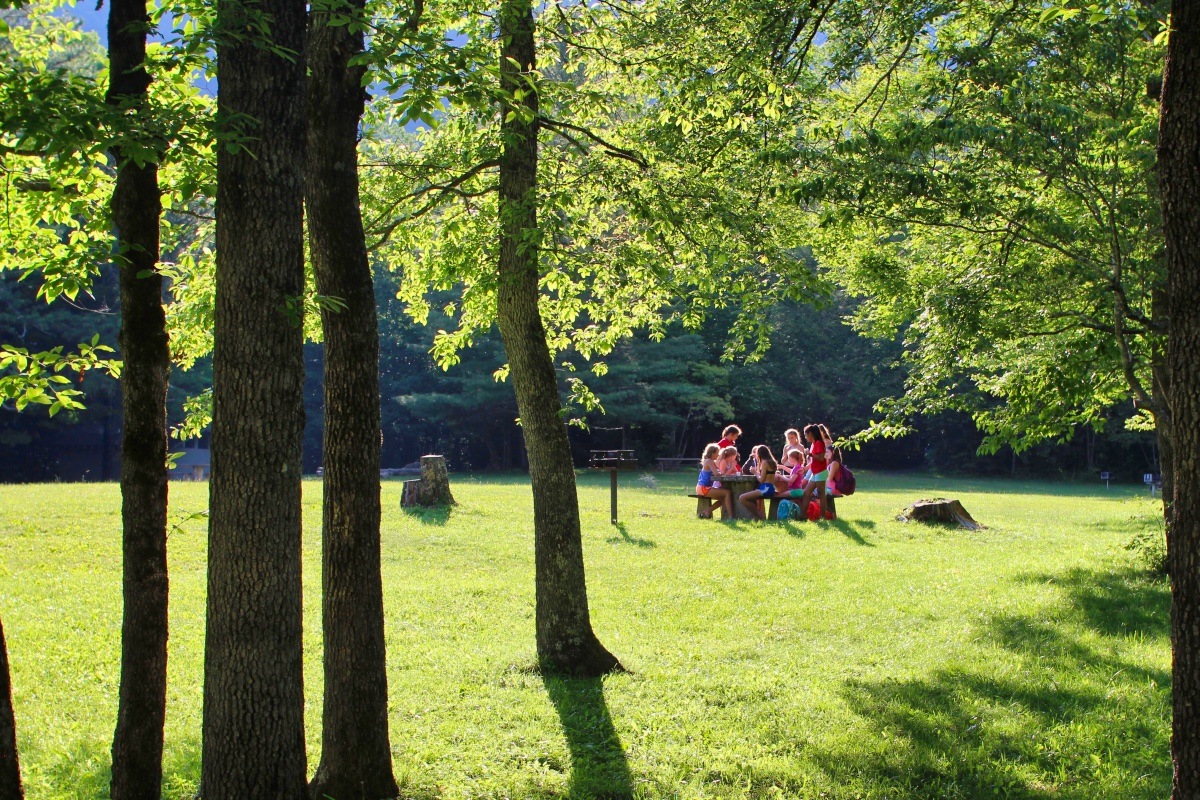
[(739, 485)]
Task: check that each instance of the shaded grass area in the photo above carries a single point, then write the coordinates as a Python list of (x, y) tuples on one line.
[(860, 658)]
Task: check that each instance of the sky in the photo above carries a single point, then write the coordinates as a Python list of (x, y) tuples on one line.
[(94, 19)]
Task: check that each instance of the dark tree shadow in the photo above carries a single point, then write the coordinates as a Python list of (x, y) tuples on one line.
[(435, 515), (599, 769), (851, 530), (1115, 603), (1063, 715), (795, 528), (625, 538)]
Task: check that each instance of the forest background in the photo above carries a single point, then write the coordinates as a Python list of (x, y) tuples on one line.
[(664, 398), (660, 397)]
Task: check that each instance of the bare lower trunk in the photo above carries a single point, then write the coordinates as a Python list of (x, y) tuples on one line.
[(565, 641), (1163, 427), (10, 767), (136, 207), (356, 756), (1179, 179), (253, 729)]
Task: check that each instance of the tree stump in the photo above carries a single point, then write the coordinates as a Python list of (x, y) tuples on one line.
[(940, 509), (433, 488)]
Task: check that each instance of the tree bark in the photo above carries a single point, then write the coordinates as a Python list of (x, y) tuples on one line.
[(565, 641), (1179, 181), (136, 207), (433, 488), (10, 767), (253, 728), (1164, 433), (356, 755)]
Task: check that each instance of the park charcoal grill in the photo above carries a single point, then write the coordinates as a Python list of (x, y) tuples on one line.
[(613, 461)]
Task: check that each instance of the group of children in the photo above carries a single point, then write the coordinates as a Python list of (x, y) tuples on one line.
[(807, 468)]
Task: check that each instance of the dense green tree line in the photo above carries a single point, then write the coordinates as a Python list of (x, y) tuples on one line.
[(668, 396)]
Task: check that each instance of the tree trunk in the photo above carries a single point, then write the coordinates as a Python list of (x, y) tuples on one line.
[(356, 754), (1161, 408), (1179, 181), (253, 730), (565, 641), (10, 767), (136, 207)]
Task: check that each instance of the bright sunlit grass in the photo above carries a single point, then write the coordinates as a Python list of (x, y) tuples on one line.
[(862, 658)]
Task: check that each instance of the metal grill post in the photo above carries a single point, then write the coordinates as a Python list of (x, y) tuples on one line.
[(612, 460), (612, 474)]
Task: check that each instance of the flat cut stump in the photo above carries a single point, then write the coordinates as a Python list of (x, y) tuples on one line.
[(942, 510), (433, 489)]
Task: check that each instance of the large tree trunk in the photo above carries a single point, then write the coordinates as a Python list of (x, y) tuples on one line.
[(1161, 408), (565, 641), (10, 768), (253, 730), (356, 756), (136, 207), (1179, 179)]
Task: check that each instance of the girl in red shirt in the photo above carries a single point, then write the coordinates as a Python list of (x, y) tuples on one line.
[(818, 466)]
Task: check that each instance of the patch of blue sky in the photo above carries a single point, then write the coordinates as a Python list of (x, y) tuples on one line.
[(93, 16)]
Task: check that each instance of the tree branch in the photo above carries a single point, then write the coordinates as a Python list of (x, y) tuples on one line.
[(609, 148), (443, 190)]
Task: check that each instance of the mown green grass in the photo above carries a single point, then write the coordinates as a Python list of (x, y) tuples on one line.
[(862, 658)]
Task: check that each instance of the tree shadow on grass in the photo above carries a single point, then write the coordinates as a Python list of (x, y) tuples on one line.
[(436, 515), (795, 528), (851, 530), (599, 769), (1115, 603), (625, 538), (1059, 713)]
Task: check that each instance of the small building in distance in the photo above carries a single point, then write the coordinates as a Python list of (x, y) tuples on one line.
[(193, 463)]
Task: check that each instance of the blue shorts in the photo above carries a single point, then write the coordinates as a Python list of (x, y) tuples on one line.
[(821, 476), (767, 489)]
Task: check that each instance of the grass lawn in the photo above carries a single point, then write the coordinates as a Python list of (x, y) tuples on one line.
[(861, 658)]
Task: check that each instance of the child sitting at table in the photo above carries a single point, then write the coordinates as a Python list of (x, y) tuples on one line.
[(831, 486), (704, 483), (791, 441), (790, 484), (727, 463), (750, 465), (765, 469)]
